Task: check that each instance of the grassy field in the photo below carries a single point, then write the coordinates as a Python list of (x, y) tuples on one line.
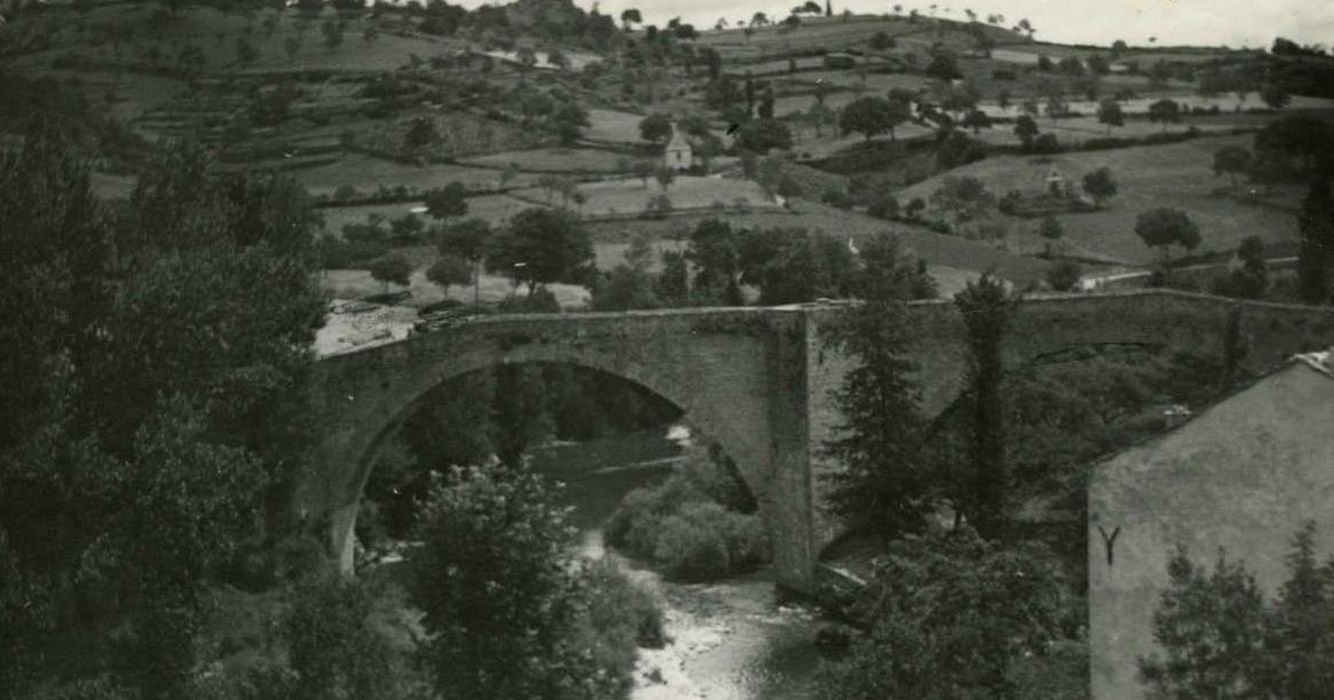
[(609, 125), (560, 160), (686, 192), (955, 257), (367, 174), (216, 35), (1177, 175), (839, 33)]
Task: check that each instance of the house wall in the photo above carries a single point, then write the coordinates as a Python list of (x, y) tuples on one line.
[(1242, 476)]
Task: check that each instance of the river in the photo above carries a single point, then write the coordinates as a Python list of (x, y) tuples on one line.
[(732, 639)]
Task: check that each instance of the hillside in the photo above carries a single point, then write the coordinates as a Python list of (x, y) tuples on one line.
[(373, 108)]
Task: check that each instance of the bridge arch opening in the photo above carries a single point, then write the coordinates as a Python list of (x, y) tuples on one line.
[(599, 433)]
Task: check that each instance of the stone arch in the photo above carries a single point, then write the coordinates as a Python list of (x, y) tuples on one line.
[(742, 440)]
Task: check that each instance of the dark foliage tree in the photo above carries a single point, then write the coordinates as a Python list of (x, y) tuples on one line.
[(713, 251), (1100, 185), (1218, 637), (1064, 275), (656, 128), (147, 450), (1109, 113), (1165, 227), (1232, 160), (987, 307), (885, 485), (629, 285), (1275, 96), (948, 613), (1316, 229), (943, 66), (514, 640), (448, 201), (391, 268), (791, 265), (468, 240), (421, 133), (1050, 229), (762, 135), (1165, 111), (1026, 128), (449, 271), (976, 120), (542, 246)]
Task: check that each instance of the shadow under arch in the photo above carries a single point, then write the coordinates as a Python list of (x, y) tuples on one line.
[(739, 439)]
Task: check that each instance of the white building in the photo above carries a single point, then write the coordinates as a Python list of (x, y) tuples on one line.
[(678, 155)]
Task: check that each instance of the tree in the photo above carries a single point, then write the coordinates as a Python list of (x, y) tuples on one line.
[(1165, 111), (952, 611), (869, 116), (485, 640), (468, 240), (1232, 160), (655, 128), (391, 268), (147, 453), (762, 135), (449, 270), (759, 19), (881, 41), (713, 251), (884, 482), (1275, 96), (986, 307), (245, 51), (1109, 113), (448, 201), (631, 17), (964, 198), (943, 66), (1218, 636), (421, 133), (1165, 227), (665, 176), (1064, 275), (1250, 280), (629, 285), (568, 121), (332, 650), (333, 33), (791, 265), (1315, 224), (976, 120), (1100, 185), (1051, 230), (1026, 128), (543, 246)]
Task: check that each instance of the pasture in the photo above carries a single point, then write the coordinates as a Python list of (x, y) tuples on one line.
[(551, 160), (1177, 175), (631, 196), (368, 174)]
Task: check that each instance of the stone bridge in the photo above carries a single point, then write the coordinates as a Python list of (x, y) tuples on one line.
[(756, 380)]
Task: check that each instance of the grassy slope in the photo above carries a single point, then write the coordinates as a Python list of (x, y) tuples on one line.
[(1178, 175)]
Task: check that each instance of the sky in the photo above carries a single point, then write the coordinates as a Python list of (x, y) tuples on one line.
[(1233, 23)]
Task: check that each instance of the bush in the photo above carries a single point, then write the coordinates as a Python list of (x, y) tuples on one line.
[(331, 649), (684, 528), (836, 197), (1064, 276), (1046, 143)]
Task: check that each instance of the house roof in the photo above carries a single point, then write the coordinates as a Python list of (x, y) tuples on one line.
[(678, 142)]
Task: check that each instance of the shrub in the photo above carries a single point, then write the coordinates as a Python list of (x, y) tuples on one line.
[(1064, 276), (681, 525), (332, 651), (836, 197), (1046, 143)]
